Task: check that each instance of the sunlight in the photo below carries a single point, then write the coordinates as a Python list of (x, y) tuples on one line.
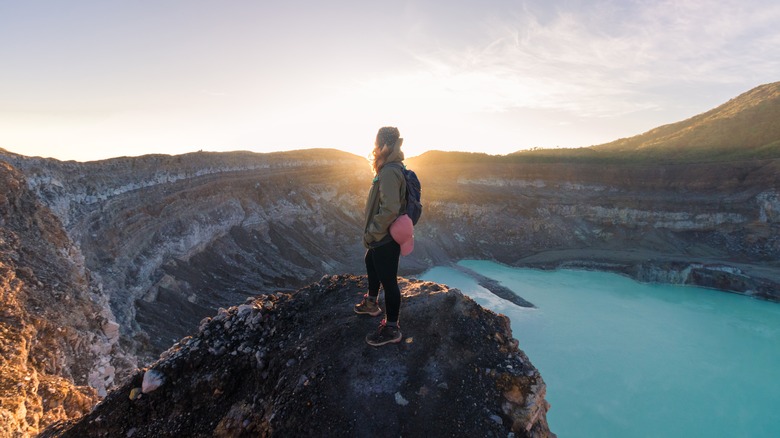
[(446, 93), (433, 111)]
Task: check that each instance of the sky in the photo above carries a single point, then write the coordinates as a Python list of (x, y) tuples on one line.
[(87, 80)]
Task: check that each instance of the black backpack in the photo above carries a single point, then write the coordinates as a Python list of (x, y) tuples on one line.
[(413, 191)]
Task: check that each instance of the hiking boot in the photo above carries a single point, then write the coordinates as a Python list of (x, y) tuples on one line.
[(368, 306), (386, 334)]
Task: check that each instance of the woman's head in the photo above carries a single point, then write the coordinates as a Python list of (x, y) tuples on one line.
[(386, 140), (387, 135)]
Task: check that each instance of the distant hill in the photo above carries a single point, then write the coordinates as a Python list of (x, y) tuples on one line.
[(746, 127)]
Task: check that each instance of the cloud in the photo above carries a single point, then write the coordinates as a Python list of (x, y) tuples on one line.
[(214, 93), (711, 40), (610, 58)]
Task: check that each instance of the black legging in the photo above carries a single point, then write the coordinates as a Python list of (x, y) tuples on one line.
[(382, 267)]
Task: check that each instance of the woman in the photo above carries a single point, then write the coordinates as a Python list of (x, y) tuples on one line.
[(386, 201)]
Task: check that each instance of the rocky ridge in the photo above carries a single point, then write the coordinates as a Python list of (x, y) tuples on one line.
[(296, 364)]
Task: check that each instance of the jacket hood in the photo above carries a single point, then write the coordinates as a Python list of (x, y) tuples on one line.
[(396, 155)]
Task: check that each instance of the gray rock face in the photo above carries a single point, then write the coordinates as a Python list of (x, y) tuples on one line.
[(623, 217), (170, 239)]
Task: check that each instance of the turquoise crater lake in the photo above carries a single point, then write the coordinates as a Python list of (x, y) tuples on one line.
[(626, 359)]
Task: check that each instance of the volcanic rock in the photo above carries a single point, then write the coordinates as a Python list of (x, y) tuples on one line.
[(297, 364)]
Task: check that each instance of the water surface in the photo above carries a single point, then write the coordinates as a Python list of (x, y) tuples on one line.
[(626, 359)]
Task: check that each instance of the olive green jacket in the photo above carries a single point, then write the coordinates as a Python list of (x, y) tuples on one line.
[(386, 200)]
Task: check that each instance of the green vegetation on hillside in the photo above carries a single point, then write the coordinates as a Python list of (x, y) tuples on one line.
[(744, 128)]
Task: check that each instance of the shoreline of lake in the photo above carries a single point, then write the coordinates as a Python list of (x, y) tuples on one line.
[(758, 281)]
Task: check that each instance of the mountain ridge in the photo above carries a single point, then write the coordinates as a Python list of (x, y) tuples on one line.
[(744, 128), (747, 125)]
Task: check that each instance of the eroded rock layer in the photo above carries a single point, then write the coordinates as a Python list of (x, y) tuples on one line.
[(171, 239), (713, 224)]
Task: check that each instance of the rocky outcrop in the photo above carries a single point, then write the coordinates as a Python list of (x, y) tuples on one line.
[(296, 364), (58, 338)]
